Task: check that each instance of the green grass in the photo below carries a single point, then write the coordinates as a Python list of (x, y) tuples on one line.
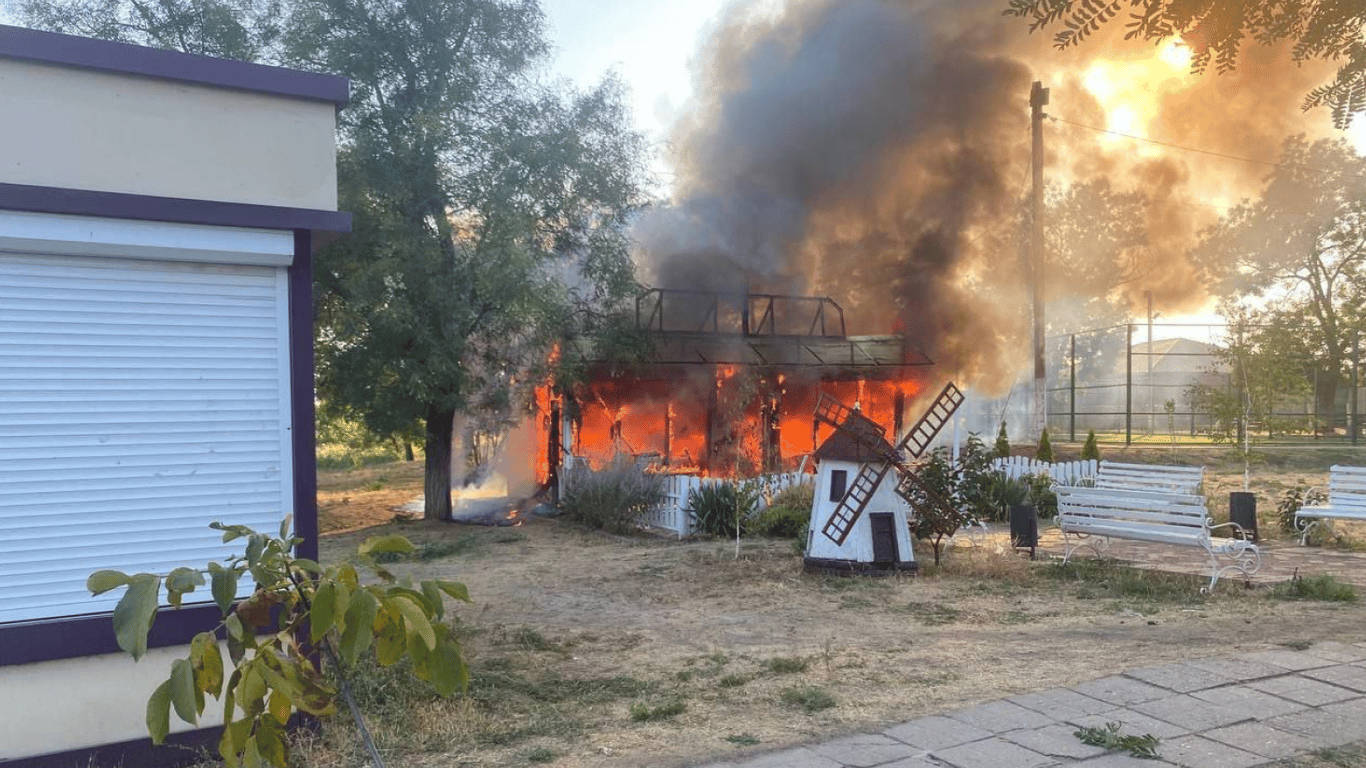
[(1107, 579), (1324, 587), (435, 550), (809, 699), (339, 456), (741, 739), (733, 681), (786, 666), (644, 713), (542, 755), (932, 614)]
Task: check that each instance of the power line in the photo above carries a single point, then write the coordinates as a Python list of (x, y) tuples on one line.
[(1191, 149)]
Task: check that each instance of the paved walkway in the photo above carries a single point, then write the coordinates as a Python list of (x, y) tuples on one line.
[(1237, 712)]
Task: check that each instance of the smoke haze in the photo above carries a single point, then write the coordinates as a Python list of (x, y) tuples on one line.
[(878, 153)]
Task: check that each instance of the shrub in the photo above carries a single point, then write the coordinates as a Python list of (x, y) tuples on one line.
[(1291, 502), (1045, 450), (1002, 447), (1090, 450), (644, 713), (782, 665), (1323, 587), (809, 698), (1007, 492), (720, 508), (788, 513), (935, 521), (1041, 495), (612, 498)]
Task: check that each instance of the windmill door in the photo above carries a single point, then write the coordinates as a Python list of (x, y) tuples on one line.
[(884, 537)]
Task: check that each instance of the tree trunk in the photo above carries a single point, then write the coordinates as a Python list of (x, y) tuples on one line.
[(1326, 402), (436, 486)]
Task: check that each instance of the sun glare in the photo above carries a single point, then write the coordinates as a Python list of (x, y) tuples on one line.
[(1124, 119), (1175, 53)]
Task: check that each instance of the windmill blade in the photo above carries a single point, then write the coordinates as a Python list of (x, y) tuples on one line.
[(910, 481), (918, 439), (849, 421), (855, 500)]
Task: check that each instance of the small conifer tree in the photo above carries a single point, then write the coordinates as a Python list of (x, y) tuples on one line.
[(1045, 451), (1002, 448), (1090, 450)]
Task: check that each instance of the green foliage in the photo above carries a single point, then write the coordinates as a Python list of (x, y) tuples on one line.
[(722, 509), (1292, 500), (1323, 587), (297, 606), (1041, 495), (1109, 737), (1318, 31), (542, 755), (1002, 447), (1045, 449), (788, 514), (808, 698), (1006, 492), (644, 713), (1090, 450), (613, 498), (781, 665), (934, 522), (742, 739), (732, 681)]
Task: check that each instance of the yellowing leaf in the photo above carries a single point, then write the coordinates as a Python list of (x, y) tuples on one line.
[(320, 618), (388, 543), (103, 581), (415, 619), (280, 707)]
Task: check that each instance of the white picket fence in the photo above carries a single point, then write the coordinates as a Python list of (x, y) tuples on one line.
[(1063, 472), (674, 514)]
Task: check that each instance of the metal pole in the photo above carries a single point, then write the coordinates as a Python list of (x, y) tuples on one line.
[(1356, 381), (1038, 97), (1151, 406), (1072, 407), (1128, 383)]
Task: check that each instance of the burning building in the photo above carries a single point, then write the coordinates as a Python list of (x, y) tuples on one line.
[(729, 386)]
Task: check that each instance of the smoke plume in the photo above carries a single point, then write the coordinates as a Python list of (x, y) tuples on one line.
[(879, 153)]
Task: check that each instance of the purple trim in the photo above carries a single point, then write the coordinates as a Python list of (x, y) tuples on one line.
[(301, 394), (179, 749), (27, 642), (119, 205), (124, 58)]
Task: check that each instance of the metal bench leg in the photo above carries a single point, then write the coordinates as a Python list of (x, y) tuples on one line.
[(1306, 524)]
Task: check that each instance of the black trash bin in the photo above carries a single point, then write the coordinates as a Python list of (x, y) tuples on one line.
[(1242, 509), (1024, 528)]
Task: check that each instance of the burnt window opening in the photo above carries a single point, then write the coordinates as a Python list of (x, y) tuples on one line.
[(839, 480)]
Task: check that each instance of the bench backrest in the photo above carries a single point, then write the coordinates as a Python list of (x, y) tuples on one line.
[(1152, 515), (1347, 486), (1158, 477)]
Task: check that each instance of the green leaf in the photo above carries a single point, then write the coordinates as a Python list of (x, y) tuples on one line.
[(231, 532), (252, 689), (285, 525), (271, 743), (455, 589), (433, 595), (360, 620), (136, 611), (237, 648), (208, 663), (390, 639), (159, 713), (103, 581), (415, 619), (224, 586), (182, 691), (181, 581), (280, 707), (446, 667), (388, 543), (251, 754), (322, 615)]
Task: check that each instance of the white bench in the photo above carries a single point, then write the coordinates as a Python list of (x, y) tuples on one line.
[(1095, 515), (1154, 477), (1346, 500)]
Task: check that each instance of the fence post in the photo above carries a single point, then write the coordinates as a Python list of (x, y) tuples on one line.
[(1356, 362), (1072, 406), (1129, 384)]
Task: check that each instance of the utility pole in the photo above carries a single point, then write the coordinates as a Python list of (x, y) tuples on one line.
[(1151, 407), (1038, 97)]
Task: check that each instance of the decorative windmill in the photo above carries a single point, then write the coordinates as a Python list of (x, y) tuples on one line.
[(859, 447)]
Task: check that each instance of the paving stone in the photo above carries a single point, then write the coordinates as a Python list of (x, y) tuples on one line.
[(1182, 678), (1122, 760), (919, 761), (1262, 739), (865, 750), (1055, 741), (1132, 722), (1335, 651), (1199, 752), (1000, 716), (1354, 710), (1324, 727), (800, 757), (1344, 675), (1120, 690), (1061, 703), (1238, 670), (1312, 692), (1294, 661), (1191, 713), (1257, 704), (992, 753), (935, 732)]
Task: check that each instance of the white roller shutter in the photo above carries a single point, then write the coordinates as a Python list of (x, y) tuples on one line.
[(139, 401)]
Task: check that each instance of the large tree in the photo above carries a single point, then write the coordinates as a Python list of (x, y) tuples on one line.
[(1216, 31), (489, 208), (1300, 248)]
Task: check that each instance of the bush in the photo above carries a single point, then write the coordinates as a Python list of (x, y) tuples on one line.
[(1291, 502), (720, 508), (1323, 587), (1045, 450), (788, 514), (935, 521), (1041, 495), (1090, 450), (612, 498), (1002, 448)]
